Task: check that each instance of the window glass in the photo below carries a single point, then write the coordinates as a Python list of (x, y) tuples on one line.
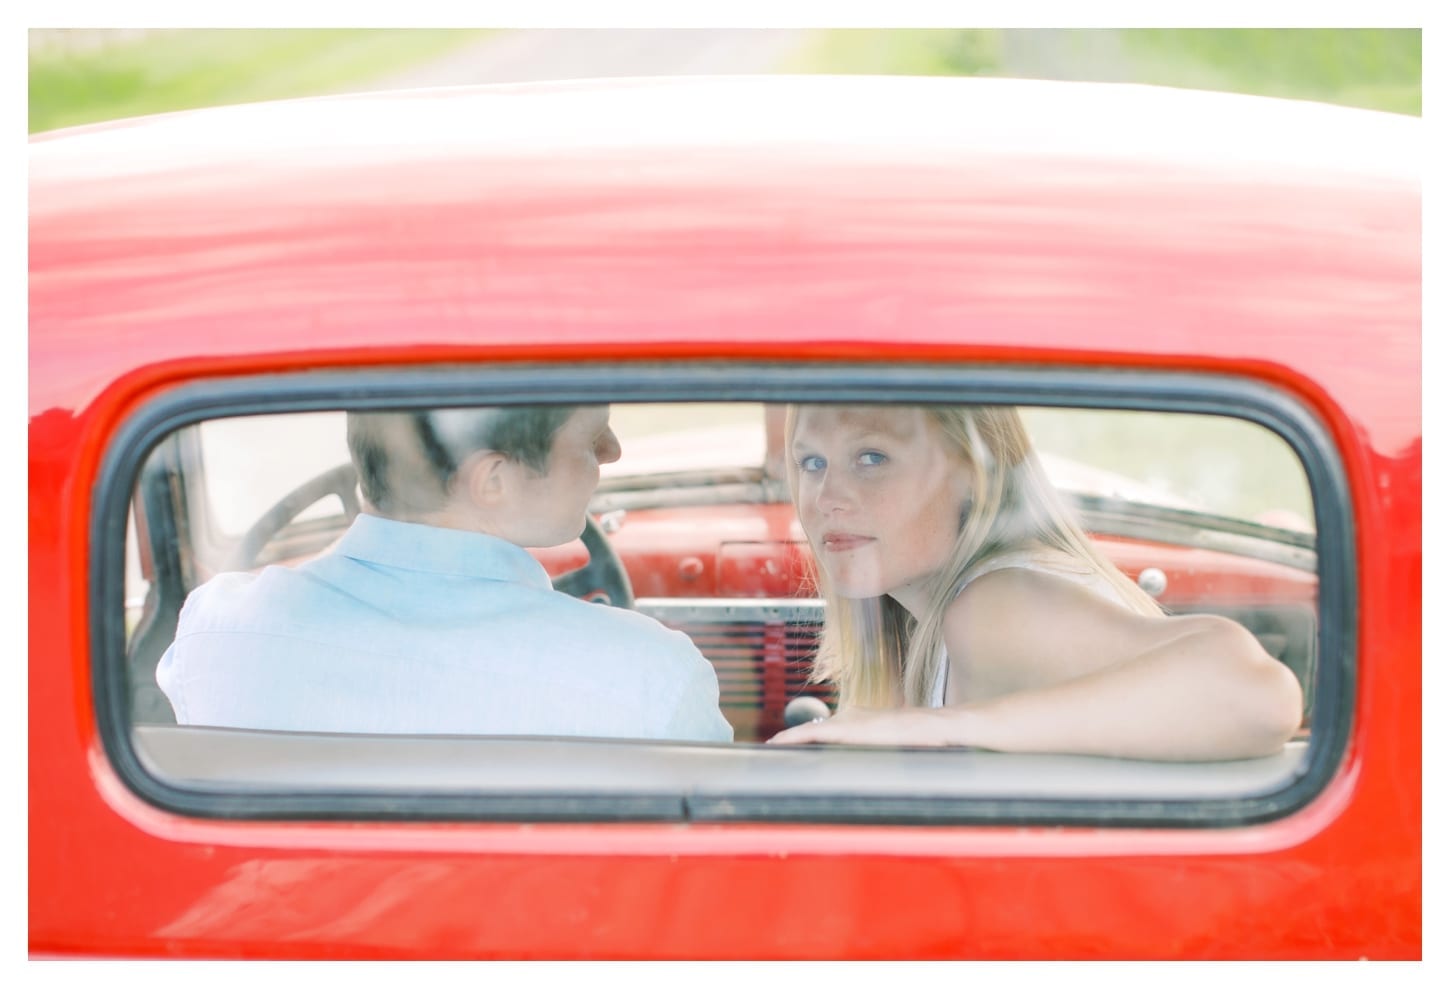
[(695, 530), (136, 584), (1207, 463), (251, 462)]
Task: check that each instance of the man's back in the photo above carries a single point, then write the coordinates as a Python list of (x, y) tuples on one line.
[(416, 629)]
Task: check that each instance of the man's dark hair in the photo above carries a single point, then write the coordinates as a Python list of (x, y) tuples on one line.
[(406, 460)]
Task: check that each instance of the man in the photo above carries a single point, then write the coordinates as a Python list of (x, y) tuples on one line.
[(430, 616)]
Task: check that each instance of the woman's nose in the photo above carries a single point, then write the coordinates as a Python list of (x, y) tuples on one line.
[(834, 493)]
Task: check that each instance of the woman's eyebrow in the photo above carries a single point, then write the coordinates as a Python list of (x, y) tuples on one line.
[(870, 434), (851, 437), (879, 434)]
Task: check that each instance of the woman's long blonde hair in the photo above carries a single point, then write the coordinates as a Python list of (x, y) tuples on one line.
[(876, 653)]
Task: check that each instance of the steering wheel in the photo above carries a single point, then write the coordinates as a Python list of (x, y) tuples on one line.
[(341, 481), (603, 579)]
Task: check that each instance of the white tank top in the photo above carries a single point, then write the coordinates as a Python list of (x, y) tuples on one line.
[(1042, 561)]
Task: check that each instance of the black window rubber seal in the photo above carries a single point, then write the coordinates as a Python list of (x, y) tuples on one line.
[(643, 382)]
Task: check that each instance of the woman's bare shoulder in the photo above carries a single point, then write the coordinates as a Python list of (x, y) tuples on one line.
[(980, 630), (1016, 585), (1017, 628)]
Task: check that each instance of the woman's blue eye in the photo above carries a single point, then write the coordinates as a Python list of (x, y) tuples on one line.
[(811, 464), (871, 458)]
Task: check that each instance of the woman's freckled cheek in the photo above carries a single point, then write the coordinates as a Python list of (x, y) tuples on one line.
[(926, 523)]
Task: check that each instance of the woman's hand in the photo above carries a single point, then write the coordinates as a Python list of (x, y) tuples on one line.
[(876, 726)]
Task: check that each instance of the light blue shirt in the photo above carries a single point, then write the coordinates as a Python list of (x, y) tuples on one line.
[(417, 629)]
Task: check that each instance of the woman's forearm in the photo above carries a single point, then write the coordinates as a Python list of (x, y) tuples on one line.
[(1211, 693)]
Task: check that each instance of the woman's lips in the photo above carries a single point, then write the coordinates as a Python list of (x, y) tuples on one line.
[(840, 542)]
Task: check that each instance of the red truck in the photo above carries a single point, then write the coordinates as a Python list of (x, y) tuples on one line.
[(1206, 306)]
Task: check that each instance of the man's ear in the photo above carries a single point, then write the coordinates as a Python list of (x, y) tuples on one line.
[(483, 479)]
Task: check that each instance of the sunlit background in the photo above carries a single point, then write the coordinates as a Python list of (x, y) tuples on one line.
[(80, 76)]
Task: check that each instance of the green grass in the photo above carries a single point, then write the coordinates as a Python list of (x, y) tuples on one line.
[(914, 51), (177, 70), (1376, 69)]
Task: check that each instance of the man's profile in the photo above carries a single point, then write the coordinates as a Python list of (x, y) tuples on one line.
[(430, 616)]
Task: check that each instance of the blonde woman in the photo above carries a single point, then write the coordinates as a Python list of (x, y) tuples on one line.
[(964, 607)]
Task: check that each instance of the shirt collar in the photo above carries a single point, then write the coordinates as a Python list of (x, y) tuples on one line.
[(433, 549)]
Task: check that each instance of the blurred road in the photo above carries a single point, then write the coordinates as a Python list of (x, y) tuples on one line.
[(1091, 54), (567, 53)]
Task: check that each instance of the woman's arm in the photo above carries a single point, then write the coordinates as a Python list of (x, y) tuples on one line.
[(1040, 664)]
